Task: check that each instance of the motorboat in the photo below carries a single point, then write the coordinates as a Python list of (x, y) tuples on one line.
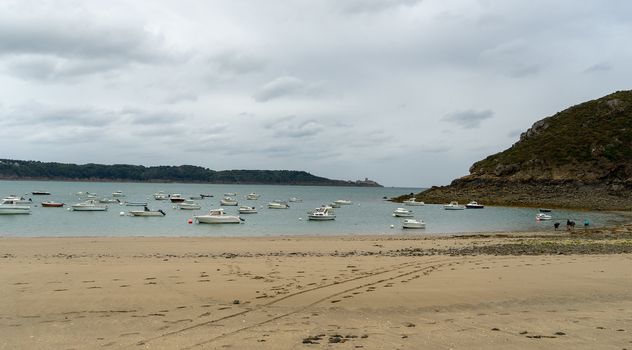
[(176, 198), (89, 205), (160, 196), (18, 200), (147, 212), (334, 205), (295, 200), (247, 210), (228, 201), (278, 205), (474, 205), (412, 201), (11, 207), (118, 194), (545, 210), (402, 213), (252, 196), (109, 200), (91, 196), (324, 213), (543, 216), (135, 204), (189, 205), (343, 202), (454, 206), (230, 194), (217, 216), (41, 193), (413, 223), (49, 204)]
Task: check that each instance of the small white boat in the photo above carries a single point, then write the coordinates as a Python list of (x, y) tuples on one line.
[(278, 205), (189, 205), (89, 205), (11, 207), (474, 205), (135, 204), (118, 194), (247, 210), (147, 212), (18, 200), (343, 202), (334, 205), (542, 216), (228, 201), (402, 213), (412, 201), (109, 200), (230, 194), (176, 198), (295, 200), (217, 216), (325, 213), (252, 196), (454, 206), (413, 223), (160, 196)]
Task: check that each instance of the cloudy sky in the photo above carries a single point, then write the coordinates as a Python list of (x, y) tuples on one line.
[(405, 92)]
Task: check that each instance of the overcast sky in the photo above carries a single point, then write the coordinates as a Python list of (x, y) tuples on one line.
[(405, 92)]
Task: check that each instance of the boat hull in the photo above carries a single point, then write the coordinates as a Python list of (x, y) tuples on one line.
[(52, 205), (95, 208), (469, 206), (146, 213), (17, 210), (322, 217), (204, 219), (413, 225)]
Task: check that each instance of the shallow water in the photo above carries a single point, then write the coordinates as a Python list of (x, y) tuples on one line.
[(368, 214)]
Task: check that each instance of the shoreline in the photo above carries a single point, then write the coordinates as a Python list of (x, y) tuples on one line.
[(487, 290)]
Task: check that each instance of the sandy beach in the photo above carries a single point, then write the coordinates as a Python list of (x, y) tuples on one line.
[(514, 291)]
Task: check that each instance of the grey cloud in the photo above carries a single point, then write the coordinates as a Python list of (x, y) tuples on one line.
[(237, 62), (292, 127), (468, 119), (142, 117), (48, 48), (523, 70), (372, 6), (599, 67), (285, 86), (38, 115)]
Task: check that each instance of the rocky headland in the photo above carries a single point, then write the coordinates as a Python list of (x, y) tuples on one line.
[(578, 158)]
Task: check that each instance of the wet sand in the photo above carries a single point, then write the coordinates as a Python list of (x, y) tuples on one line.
[(371, 292)]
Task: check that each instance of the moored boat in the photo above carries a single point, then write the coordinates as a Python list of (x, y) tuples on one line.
[(160, 196), (217, 216), (252, 196), (295, 200), (454, 206), (542, 216), (545, 210), (228, 201), (89, 205), (18, 200), (278, 205), (147, 212), (189, 205), (325, 213), (474, 205), (176, 198), (413, 223), (11, 207), (135, 204), (343, 202), (41, 193), (247, 210), (50, 204), (412, 201), (402, 213), (118, 194)]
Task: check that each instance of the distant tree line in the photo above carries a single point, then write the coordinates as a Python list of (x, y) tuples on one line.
[(21, 169)]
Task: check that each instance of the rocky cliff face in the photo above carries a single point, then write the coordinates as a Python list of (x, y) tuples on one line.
[(580, 158)]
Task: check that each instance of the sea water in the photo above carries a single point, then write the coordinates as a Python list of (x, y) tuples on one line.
[(368, 213)]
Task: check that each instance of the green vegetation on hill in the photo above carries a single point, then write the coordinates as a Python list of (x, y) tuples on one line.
[(578, 158), (20, 169), (590, 141)]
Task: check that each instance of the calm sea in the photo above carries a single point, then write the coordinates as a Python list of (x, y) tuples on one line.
[(369, 213)]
